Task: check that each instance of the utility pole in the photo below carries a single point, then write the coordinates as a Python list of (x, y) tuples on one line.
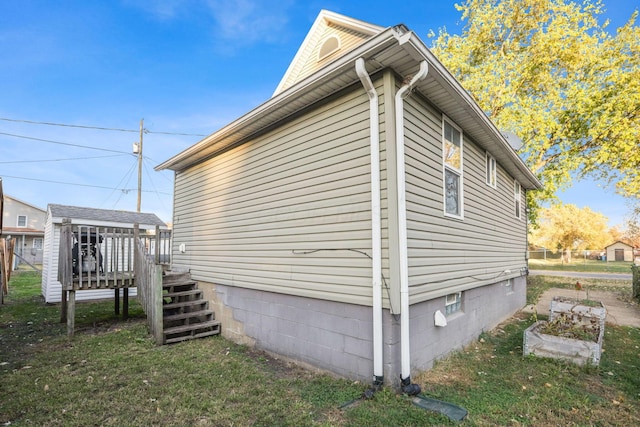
[(140, 165)]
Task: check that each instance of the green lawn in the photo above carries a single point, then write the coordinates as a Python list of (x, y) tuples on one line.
[(111, 374), (581, 265)]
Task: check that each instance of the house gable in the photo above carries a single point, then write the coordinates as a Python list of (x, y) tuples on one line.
[(331, 36), (32, 216)]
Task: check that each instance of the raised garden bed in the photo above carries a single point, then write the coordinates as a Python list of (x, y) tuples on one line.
[(574, 332)]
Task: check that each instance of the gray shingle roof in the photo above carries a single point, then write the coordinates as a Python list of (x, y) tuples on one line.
[(93, 214)]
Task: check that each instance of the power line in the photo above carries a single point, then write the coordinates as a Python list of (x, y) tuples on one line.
[(61, 160), (81, 185), (33, 122), (63, 143), (65, 125), (154, 187), (173, 133), (128, 173)]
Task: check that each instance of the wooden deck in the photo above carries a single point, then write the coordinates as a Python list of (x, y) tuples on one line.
[(93, 258), (114, 280)]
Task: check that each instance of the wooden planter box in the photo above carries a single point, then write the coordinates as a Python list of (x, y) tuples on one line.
[(580, 352)]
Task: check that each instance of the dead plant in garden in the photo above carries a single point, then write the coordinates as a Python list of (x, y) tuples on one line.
[(574, 326)]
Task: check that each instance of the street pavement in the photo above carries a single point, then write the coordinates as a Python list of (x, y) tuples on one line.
[(581, 274)]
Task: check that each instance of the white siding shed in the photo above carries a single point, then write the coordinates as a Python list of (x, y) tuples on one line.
[(51, 287)]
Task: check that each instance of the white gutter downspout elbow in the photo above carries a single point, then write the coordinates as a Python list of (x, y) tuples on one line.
[(376, 225), (405, 353)]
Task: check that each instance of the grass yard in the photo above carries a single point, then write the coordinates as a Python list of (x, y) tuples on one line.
[(579, 264), (111, 374)]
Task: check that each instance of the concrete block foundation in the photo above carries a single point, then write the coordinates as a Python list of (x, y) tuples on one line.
[(337, 337)]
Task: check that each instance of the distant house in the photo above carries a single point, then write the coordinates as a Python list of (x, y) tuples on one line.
[(51, 288), (24, 222), (367, 219), (619, 251)]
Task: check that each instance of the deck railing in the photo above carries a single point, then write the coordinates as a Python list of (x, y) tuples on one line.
[(96, 257), (93, 257), (148, 273)]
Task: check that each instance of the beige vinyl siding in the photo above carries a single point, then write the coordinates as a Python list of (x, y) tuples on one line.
[(388, 185), (349, 39), (249, 215), (447, 254), (384, 110)]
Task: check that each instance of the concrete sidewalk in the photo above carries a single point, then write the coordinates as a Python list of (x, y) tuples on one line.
[(619, 311)]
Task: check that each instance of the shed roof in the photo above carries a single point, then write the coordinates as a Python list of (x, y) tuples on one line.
[(619, 242), (114, 217)]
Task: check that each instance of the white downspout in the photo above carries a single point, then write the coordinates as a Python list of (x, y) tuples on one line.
[(376, 239), (405, 353)]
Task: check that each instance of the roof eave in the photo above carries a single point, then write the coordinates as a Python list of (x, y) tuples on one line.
[(207, 146), (521, 172), (399, 37)]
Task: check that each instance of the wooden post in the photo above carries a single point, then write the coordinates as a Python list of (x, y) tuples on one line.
[(71, 313), (157, 239), (63, 306), (116, 300), (140, 166), (65, 273), (136, 239), (6, 264), (125, 303), (3, 274), (135, 266), (157, 304)]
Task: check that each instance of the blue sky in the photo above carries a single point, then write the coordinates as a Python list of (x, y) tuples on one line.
[(188, 67)]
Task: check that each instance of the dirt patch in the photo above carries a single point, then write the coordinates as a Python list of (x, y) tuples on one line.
[(278, 366), (622, 310)]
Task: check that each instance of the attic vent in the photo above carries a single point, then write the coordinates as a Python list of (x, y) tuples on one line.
[(329, 46)]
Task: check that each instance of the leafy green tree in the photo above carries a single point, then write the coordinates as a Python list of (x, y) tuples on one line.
[(550, 72), (567, 227), (632, 231)]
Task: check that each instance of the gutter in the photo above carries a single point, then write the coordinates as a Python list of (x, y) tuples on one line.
[(376, 224), (405, 351), (413, 44)]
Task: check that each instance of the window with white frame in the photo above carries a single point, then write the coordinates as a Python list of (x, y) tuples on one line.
[(492, 171), (453, 303), (452, 175), (37, 243), (22, 221), (517, 195)]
